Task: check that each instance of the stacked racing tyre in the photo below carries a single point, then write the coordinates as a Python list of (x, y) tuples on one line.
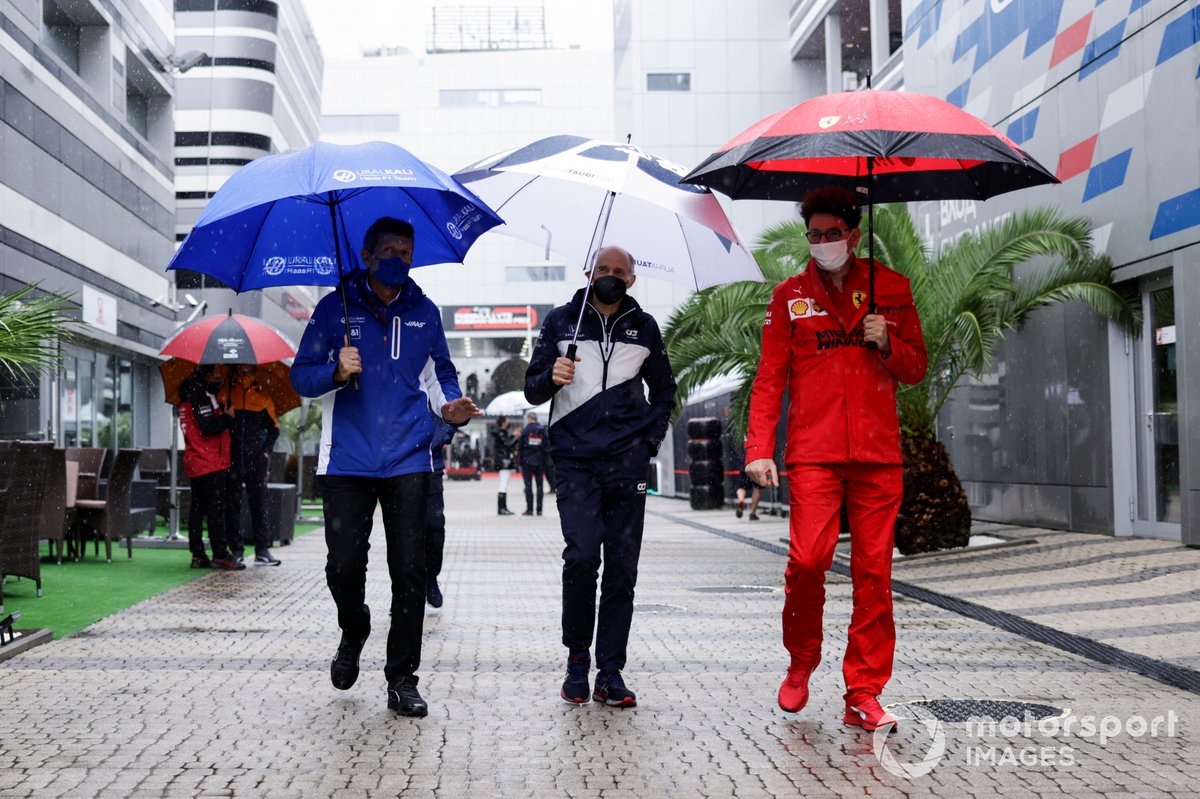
[(706, 466)]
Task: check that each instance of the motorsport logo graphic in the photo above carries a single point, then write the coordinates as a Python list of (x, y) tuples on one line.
[(462, 221), (299, 265), (922, 734), (373, 175)]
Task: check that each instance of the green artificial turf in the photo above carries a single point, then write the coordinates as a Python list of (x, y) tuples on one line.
[(75, 595)]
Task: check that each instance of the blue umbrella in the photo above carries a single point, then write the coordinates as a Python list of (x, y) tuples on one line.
[(299, 218)]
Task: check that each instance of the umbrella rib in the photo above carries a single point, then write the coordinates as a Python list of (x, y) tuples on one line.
[(512, 196), (688, 248), (261, 224)]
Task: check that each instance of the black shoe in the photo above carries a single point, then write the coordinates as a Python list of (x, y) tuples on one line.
[(611, 690), (404, 699), (228, 565), (201, 562), (527, 513), (266, 559), (433, 594), (343, 671), (575, 687)]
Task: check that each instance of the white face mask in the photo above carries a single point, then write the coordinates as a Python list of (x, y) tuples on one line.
[(830, 255)]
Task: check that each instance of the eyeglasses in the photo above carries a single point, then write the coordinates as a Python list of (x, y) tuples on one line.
[(833, 234)]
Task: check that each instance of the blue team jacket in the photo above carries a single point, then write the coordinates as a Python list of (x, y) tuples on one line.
[(604, 411), (384, 429)]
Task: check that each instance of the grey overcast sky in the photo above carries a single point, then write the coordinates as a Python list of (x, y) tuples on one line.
[(345, 27)]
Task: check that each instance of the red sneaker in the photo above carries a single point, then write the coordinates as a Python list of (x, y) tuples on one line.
[(793, 692), (868, 714)]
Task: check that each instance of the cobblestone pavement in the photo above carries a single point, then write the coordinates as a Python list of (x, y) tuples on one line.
[(220, 687)]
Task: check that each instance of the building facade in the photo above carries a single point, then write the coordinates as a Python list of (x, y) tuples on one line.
[(1079, 425), (87, 208), (255, 90)]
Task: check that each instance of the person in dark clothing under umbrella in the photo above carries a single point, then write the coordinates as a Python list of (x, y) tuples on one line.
[(602, 433), (206, 463), (375, 451), (532, 452), (435, 514), (254, 433)]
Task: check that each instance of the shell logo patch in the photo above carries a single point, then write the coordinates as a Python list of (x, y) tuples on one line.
[(859, 297), (827, 122), (805, 308)]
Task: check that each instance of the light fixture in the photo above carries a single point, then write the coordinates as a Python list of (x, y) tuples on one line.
[(182, 63)]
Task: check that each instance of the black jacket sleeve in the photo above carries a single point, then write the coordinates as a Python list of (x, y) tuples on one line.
[(656, 371), (539, 387)]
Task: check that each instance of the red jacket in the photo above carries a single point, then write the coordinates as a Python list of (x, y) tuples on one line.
[(843, 395), (205, 432)]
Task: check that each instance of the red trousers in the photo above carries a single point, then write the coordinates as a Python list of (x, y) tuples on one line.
[(872, 492)]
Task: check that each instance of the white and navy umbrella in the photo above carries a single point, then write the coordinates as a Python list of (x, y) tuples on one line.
[(555, 193)]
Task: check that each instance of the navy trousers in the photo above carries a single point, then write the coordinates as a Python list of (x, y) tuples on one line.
[(602, 507), (435, 526)]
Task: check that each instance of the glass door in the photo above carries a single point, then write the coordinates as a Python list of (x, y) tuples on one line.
[(1159, 503)]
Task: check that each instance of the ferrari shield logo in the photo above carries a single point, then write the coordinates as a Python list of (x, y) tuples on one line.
[(859, 297), (827, 122)]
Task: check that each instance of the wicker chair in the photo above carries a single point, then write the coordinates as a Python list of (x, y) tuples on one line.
[(58, 509), (20, 516), (109, 517), (91, 462)]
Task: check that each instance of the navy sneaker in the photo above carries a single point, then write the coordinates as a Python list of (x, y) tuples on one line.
[(575, 687), (343, 671), (265, 558), (611, 690), (404, 698), (201, 562), (433, 594)]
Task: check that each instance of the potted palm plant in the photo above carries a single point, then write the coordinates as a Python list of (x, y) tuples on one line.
[(30, 325), (968, 297)]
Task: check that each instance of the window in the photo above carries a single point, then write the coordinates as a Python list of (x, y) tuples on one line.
[(489, 98), (534, 274), (147, 103), (668, 81), (360, 123), (76, 32)]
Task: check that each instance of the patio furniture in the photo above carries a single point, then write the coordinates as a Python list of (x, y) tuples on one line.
[(58, 508), (110, 517), (21, 511), (91, 462)]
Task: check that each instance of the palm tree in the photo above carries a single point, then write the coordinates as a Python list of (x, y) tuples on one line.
[(968, 298), (29, 324)]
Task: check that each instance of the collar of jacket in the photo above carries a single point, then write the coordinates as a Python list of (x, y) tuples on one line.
[(359, 290)]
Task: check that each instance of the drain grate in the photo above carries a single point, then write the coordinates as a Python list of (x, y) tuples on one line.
[(649, 608), (736, 589), (957, 711)]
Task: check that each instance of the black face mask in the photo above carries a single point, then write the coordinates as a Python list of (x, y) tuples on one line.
[(609, 289)]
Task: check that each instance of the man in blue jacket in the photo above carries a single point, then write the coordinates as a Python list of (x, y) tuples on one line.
[(602, 432), (532, 451), (375, 445)]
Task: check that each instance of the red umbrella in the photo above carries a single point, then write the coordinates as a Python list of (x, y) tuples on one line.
[(887, 146), (916, 147), (229, 339), (272, 378)]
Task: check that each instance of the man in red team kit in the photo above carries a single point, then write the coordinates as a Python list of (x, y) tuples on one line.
[(840, 364)]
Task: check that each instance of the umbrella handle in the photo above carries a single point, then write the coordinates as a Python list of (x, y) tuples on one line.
[(871, 308)]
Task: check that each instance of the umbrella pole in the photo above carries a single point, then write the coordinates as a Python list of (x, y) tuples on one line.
[(871, 307), (593, 249), (337, 251)]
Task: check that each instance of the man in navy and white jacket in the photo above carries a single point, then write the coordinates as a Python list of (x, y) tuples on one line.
[(603, 432), (375, 444)]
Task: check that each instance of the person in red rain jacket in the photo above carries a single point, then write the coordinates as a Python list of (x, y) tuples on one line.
[(206, 456), (843, 443)]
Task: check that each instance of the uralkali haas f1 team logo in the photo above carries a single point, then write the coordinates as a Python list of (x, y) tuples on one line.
[(462, 221), (373, 175), (299, 265)]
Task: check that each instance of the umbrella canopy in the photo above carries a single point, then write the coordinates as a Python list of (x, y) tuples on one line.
[(914, 146), (553, 192), (273, 378), (299, 218), (513, 403), (229, 339)]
